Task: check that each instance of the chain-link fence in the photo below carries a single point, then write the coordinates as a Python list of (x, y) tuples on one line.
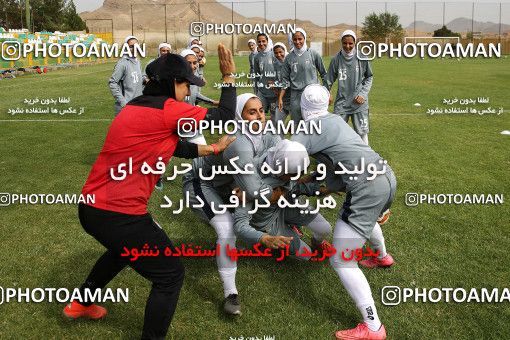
[(323, 21)]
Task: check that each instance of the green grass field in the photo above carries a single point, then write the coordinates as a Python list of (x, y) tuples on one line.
[(434, 245)]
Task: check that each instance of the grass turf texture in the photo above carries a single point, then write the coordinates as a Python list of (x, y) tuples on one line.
[(434, 245)]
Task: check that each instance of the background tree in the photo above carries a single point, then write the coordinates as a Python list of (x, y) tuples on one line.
[(381, 27)]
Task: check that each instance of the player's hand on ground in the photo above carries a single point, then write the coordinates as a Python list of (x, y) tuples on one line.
[(224, 142), (275, 242), (359, 100), (226, 60)]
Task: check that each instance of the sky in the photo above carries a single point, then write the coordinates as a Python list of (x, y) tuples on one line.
[(343, 11)]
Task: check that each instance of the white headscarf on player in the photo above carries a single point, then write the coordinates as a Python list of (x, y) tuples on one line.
[(345, 34), (129, 37), (314, 101), (303, 48), (256, 139), (253, 41), (269, 46), (288, 156), (289, 40), (187, 52), (282, 45)]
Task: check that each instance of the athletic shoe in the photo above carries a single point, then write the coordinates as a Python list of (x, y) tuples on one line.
[(232, 305), (373, 262), (384, 217), (159, 184), (74, 310), (361, 332)]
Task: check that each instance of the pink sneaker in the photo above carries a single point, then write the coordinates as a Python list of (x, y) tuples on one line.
[(373, 262), (361, 332), (75, 310)]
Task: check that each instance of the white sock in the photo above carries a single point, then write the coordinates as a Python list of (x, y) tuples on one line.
[(377, 241), (224, 227), (352, 278), (365, 138)]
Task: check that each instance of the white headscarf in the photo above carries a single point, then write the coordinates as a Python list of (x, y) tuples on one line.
[(314, 101), (292, 154), (289, 40), (129, 37), (269, 46), (164, 45), (304, 47), (282, 45), (241, 100), (187, 52), (347, 33), (190, 41), (194, 46)]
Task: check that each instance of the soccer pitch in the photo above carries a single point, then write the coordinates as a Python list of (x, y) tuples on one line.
[(435, 246)]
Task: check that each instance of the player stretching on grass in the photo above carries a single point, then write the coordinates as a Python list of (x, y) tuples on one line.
[(365, 201)]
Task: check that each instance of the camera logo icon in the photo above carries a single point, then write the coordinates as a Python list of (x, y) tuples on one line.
[(365, 50), (197, 29), (187, 128), (391, 295), (411, 199), (5, 199), (11, 50)]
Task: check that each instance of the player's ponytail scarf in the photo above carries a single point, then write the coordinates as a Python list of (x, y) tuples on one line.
[(293, 154), (256, 139), (347, 33), (303, 49), (314, 101)]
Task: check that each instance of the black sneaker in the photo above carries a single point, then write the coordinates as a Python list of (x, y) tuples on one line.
[(232, 305)]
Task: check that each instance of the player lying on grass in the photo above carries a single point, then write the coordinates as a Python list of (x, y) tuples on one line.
[(270, 225), (365, 201), (143, 132)]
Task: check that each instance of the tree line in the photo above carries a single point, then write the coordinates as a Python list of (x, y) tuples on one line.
[(44, 15)]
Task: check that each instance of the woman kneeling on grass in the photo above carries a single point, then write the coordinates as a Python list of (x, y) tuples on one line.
[(144, 132)]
